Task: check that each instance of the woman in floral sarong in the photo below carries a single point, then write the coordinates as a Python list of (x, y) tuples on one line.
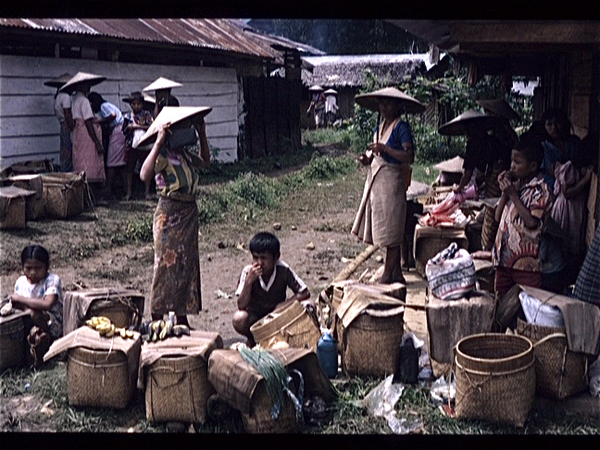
[(176, 279)]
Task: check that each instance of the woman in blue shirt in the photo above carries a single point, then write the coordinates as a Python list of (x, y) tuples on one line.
[(381, 217)]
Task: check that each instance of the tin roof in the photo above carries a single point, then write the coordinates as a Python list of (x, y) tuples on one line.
[(229, 35)]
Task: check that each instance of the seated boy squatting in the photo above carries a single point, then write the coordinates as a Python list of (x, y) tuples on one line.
[(263, 285)]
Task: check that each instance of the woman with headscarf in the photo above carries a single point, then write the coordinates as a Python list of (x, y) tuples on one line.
[(88, 152), (381, 217), (176, 279)]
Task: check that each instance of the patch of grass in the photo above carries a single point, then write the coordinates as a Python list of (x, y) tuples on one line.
[(340, 136)]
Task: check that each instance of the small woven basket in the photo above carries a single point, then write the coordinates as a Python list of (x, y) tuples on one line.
[(63, 194), (292, 325), (177, 389), (259, 419), (98, 378), (371, 343), (559, 372), (119, 313), (12, 343), (495, 378)]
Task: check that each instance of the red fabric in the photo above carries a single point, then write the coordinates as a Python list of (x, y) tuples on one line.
[(507, 278)]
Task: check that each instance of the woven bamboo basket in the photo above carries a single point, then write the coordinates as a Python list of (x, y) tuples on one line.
[(259, 419), (292, 325), (559, 372), (98, 378), (63, 194), (371, 343), (426, 247), (34, 204), (13, 212), (12, 343), (177, 389), (495, 378), (118, 313)]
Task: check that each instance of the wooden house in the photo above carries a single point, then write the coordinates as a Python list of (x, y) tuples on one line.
[(347, 74), (220, 63), (563, 54)]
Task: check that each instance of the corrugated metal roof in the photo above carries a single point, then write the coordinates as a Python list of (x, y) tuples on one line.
[(227, 35)]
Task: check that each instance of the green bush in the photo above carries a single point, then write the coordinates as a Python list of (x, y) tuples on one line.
[(254, 188), (139, 230)]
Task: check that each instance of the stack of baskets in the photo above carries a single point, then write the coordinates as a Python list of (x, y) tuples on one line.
[(35, 203), (495, 378), (559, 372)]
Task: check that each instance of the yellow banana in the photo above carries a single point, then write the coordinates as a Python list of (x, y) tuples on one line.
[(110, 332), (122, 333), (129, 334)]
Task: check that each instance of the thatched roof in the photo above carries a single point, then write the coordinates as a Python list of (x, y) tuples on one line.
[(349, 70)]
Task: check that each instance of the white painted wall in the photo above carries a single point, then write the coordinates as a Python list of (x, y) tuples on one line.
[(28, 126)]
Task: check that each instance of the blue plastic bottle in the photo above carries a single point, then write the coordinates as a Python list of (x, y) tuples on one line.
[(327, 354)]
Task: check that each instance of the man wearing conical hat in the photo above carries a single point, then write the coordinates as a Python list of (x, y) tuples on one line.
[(162, 93), (331, 106), (175, 168), (317, 103), (62, 109)]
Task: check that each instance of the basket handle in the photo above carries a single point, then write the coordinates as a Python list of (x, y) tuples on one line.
[(549, 337)]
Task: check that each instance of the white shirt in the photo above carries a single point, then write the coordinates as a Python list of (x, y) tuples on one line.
[(62, 102)]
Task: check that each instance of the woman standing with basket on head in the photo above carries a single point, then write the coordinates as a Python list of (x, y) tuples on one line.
[(176, 279), (381, 217)]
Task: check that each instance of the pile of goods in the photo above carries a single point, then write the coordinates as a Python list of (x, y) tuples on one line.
[(159, 330), (448, 212), (106, 328)]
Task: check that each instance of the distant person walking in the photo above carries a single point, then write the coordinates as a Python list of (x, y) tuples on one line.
[(317, 104), (331, 107)]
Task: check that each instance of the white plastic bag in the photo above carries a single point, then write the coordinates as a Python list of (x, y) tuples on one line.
[(540, 314)]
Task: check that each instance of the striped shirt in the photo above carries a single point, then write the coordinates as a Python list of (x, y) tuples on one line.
[(266, 295)]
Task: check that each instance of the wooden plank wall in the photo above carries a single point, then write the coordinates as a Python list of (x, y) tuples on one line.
[(272, 122), (28, 126)]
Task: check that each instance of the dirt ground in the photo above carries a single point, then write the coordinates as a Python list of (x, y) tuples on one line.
[(316, 244)]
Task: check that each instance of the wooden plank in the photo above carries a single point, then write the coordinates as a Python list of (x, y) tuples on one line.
[(27, 126), (270, 95), (295, 91), (255, 118), (283, 119)]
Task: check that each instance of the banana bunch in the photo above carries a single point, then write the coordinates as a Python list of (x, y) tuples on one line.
[(159, 330), (106, 328)]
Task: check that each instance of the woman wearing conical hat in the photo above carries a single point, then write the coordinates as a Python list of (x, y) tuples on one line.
[(162, 93), (176, 278), (88, 152), (381, 216)]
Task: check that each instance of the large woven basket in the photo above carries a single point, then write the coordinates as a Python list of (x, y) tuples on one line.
[(98, 378), (292, 325), (426, 246), (559, 372), (12, 343), (177, 389), (63, 194), (34, 203), (13, 212), (495, 378), (371, 343), (119, 313), (259, 419)]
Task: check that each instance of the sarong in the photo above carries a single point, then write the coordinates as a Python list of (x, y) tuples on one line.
[(66, 149), (381, 216), (176, 280), (85, 157), (116, 148)]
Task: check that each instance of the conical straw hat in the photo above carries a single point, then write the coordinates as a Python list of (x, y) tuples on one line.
[(162, 83), (371, 100), (499, 107), (454, 165), (58, 81), (146, 97), (330, 91), (459, 125), (172, 115), (316, 87), (82, 78)]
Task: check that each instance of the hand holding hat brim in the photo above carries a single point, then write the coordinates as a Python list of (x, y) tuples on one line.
[(172, 115)]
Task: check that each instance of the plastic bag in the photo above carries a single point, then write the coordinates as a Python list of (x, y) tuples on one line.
[(537, 312), (451, 273), (443, 390)]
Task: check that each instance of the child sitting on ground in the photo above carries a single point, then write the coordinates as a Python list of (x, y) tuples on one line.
[(263, 285), (525, 202), (39, 293)]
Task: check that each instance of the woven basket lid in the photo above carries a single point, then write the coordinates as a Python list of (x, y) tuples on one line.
[(80, 79), (172, 115), (459, 125), (371, 100), (58, 81), (454, 165), (499, 107), (162, 83)]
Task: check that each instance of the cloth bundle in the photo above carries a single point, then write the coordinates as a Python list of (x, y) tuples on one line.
[(451, 273), (448, 213)]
